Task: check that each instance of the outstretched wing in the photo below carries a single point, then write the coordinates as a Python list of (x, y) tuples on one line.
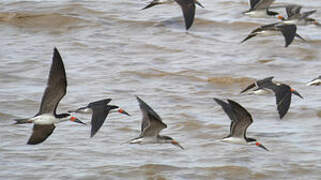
[(262, 4), (283, 96), (152, 124), (188, 8), (248, 87), (100, 112), (100, 102), (244, 120), (293, 10), (228, 110), (288, 31), (56, 86), (308, 13), (40, 133)]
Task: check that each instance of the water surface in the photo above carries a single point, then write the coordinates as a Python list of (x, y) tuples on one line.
[(112, 49)]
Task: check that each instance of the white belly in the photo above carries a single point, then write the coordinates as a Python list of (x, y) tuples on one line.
[(268, 33), (257, 13), (144, 140), (293, 21), (44, 119), (235, 140), (164, 1), (262, 92)]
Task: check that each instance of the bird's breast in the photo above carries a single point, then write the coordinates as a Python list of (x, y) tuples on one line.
[(44, 119), (257, 13), (268, 33), (144, 140), (234, 140)]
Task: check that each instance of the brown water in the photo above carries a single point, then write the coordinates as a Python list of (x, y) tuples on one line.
[(112, 49)]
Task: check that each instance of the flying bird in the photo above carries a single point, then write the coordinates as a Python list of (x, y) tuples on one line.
[(283, 93), (315, 82), (187, 6), (99, 110), (151, 126), (294, 16), (44, 121), (287, 30), (241, 119)]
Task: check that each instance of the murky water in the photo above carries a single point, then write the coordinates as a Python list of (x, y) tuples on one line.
[(112, 49)]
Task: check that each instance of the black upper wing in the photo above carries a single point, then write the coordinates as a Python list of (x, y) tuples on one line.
[(151, 124), (56, 86), (244, 120), (188, 8), (40, 133), (293, 10), (100, 112), (283, 99), (288, 31), (260, 4)]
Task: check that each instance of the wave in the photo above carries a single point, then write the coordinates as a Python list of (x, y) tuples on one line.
[(40, 20), (228, 80)]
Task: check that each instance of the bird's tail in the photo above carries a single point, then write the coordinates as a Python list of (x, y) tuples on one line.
[(22, 121)]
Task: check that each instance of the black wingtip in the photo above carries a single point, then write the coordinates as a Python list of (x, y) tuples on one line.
[(281, 115), (149, 5), (56, 54), (248, 37), (29, 143), (218, 101), (138, 99), (300, 37), (56, 50), (92, 134)]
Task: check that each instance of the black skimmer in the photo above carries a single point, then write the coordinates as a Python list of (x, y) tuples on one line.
[(287, 30), (283, 93), (241, 119), (44, 121), (151, 125), (315, 82), (99, 110), (296, 17), (260, 8), (188, 8)]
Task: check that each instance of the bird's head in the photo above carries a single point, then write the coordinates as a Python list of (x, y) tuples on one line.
[(74, 119), (168, 139), (261, 146), (281, 17), (114, 108), (122, 111), (296, 93), (68, 117), (253, 141)]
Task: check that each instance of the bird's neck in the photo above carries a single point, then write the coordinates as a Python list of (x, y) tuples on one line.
[(62, 117)]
